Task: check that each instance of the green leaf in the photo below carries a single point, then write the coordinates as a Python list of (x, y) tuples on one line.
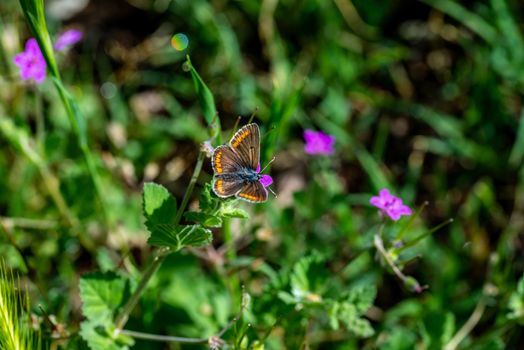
[(101, 295), (180, 236), (158, 204), (35, 15), (208, 202), (207, 103), (232, 212), (362, 298), (516, 302), (360, 327), (100, 338), (78, 121), (308, 278), (206, 220)]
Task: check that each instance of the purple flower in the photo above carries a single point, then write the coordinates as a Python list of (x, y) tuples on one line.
[(31, 62), (390, 205), (68, 38), (318, 142), (265, 180)]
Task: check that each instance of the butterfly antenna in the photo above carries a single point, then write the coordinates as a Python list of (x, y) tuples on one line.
[(235, 127), (271, 161), (252, 115)]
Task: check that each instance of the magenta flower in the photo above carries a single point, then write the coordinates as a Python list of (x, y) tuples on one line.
[(390, 205), (68, 38), (318, 142), (265, 180), (31, 62)]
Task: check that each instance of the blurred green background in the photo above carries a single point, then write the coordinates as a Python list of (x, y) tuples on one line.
[(423, 97)]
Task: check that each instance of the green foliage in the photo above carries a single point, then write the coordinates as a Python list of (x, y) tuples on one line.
[(15, 332), (427, 103), (102, 295), (207, 103), (516, 302), (159, 211)]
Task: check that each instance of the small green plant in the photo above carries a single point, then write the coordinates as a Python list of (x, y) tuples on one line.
[(16, 332)]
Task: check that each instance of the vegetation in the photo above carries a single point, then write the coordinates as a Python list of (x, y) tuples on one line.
[(397, 132)]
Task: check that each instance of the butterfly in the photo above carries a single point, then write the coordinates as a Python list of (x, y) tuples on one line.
[(237, 167)]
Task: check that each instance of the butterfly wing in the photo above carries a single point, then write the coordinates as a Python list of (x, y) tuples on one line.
[(246, 143), (226, 187), (225, 160), (253, 192)]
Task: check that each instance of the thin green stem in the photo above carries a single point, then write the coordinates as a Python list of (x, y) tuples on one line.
[(161, 253), (472, 321), (167, 338), (40, 122), (379, 244), (82, 142), (229, 243), (158, 258), (189, 191)]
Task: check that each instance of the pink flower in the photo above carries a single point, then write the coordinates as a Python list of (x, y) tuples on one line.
[(31, 62), (265, 180), (318, 142), (68, 38), (390, 205)]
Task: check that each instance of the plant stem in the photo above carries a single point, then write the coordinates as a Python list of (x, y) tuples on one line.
[(379, 244), (40, 122), (161, 253), (82, 143), (158, 258), (472, 321), (167, 338), (189, 190)]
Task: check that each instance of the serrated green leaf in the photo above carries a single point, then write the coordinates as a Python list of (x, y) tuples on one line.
[(207, 202), (206, 220), (101, 295), (308, 277), (158, 205), (333, 315), (232, 212), (180, 236), (362, 298), (98, 338), (360, 327)]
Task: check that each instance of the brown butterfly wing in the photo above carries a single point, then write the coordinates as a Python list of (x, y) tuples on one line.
[(253, 192), (224, 187), (246, 143), (225, 160)]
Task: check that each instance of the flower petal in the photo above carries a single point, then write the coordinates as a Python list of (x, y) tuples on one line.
[(68, 38), (266, 180)]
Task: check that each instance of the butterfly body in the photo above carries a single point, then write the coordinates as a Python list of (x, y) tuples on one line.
[(243, 174), (237, 167)]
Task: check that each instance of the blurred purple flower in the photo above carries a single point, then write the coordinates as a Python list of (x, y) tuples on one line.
[(318, 142), (265, 180), (390, 205), (31, 62), (68, 38)]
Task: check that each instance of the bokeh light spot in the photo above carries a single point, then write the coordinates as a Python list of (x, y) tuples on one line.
[(179, 42)]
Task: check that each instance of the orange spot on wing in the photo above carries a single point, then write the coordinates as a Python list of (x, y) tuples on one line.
[(248, 196), (238, 140), (219, 186), (218, 162)]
